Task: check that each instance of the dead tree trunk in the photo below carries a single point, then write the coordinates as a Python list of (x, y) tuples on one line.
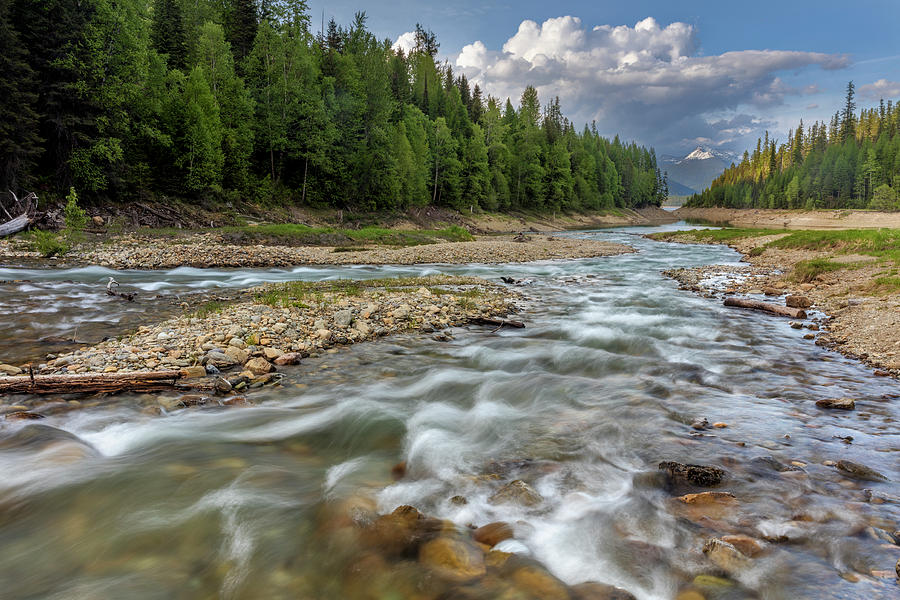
[(14, 226), (775, 309), (92, 383)]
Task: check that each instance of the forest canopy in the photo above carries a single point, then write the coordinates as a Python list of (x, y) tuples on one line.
[(241, 99), (851, 162)]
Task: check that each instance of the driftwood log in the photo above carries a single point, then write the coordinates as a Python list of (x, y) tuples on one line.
[(17, 224), (775, 309), (92, 383), (497, 323)]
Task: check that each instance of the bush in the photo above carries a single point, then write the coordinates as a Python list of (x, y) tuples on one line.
[(48, 243), (75, 216)]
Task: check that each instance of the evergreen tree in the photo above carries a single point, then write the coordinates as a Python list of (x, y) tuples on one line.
[(168, 35)]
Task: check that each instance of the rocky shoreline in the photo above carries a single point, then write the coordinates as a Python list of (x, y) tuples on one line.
[(238, 346), (209, 250), (792, 219), (848, 317)]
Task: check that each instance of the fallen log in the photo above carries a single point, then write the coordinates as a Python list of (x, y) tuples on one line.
[(15, 226), (92, 383), (775, 309), (497, 322)]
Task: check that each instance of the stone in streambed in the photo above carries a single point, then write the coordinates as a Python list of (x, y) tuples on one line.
[(539, 584), (698, 475), (343, 318), (193, 372), (259, 366), (516, 492), (452, 559), (24, 415), (837, 403), (402, 532), (725, 556), (238, 355), (747, 545), (10, 370), (220, 360), (798, 302), (291, 358), (493, 533), (709, 498), (272, 353), (858, 471), (599, 591)]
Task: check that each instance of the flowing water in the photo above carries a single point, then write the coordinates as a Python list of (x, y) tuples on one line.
[(108, 501)]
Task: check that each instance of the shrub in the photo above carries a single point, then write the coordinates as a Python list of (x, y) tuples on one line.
[(75, 216), (48, 243)]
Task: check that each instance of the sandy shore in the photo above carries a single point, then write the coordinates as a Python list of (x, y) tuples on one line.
[(209, 250), (793, 219), (861, 321)]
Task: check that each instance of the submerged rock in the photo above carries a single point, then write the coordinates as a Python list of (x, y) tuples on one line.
[(859, 471), (599, 591), (837, 403), (540, 584), (698, 475), (453, 559), (516, 492), (725, 556), (493, 533)]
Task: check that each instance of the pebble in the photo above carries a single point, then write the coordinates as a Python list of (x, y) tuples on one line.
[(837, 403)]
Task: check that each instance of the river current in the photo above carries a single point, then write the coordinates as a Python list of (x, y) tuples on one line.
[(109, 501)]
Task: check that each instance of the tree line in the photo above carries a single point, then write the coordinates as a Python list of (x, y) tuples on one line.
[(241, 99), (853, 161)]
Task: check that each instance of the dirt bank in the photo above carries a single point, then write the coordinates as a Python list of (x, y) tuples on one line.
[(793, 219), (856, 291)]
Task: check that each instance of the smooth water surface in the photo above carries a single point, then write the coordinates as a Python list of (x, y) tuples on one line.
[(111, 502)]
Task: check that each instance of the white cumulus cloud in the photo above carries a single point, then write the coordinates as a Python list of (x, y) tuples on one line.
[(405, 42), (647, 81), (881, 89)]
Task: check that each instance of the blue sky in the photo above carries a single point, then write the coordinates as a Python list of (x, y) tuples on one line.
[(715, 73)]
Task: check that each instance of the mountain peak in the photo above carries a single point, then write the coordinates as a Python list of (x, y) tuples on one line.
[(700, 154)]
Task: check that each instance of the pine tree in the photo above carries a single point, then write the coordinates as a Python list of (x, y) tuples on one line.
[(848, 114), (241, 28), (168, 35)]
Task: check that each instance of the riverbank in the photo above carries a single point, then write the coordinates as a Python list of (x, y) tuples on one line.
[(280, 324), (208, 250), (792, 219), (849, 276)]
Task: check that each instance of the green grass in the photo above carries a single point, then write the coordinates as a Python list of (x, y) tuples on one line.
[(890, 285), (292, 234), (209, 308), (806, 271), (48, 243), (882, 243), (303, 294), (716, 235)]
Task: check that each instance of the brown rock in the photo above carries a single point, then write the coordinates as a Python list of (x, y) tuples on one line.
[(858, 471), (24, 415), (271, 353), (599, 591), (292, 358), (539, 584), (496, 559), (709, 498), (725, 556), (259, 366), (690, 595), (798, 302), (193, 372), (398, 471), (237, 354), (402, 531), (698, 475), (10, 370), (97, 220), (452, 559), (837, 403), (747, 545), (516, 492), (493, 533)]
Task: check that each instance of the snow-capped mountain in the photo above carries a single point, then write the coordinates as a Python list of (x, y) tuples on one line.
[(697, 170)]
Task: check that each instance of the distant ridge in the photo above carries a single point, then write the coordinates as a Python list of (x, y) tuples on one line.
[(696, 170)]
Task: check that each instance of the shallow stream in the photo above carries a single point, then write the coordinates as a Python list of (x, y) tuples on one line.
[(112, 502)]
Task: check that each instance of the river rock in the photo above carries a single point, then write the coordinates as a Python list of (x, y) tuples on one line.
[(24, 415), (402, 532), (709, 498), (599, 591), (259, 366), (220, 360), (798, 302), (343, 318), (291, 358), (538, 583), (837, 403), (193, 372), (10, 370), (453, 559), (897, 568), (516, 492), (272, 353), (238, 355), (725, 556), (698, 475), (747, 545), (493, 533), (223, 386), (858, 471), (237, 343)]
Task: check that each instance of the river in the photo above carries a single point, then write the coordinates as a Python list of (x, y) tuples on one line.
[(108, 501)]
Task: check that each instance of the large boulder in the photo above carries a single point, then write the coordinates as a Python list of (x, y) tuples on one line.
[(516, 492), (453, 559)]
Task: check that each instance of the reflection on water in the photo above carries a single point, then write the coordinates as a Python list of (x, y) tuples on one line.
[(278, 500)]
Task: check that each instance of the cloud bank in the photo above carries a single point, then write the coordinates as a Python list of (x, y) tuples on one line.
[(647, 82)]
